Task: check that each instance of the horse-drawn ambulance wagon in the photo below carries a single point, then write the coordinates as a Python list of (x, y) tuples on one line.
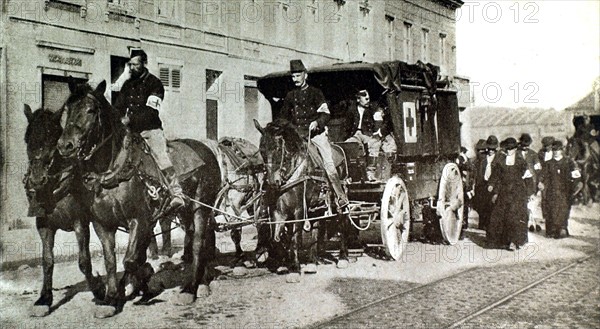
[(421, 182)]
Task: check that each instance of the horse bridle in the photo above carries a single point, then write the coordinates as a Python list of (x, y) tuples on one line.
[(81, 154), (281, 170)]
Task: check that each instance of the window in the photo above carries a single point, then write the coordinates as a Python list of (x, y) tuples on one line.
[(442, 62), (167, 9), (170, 76), (55, 91), (425, 46), (408, 42), (390, 37)]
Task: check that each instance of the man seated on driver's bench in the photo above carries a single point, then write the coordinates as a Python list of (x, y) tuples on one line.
[(367, 126)]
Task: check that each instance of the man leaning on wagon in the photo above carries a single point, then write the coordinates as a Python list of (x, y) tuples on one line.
[(139, 103), (306, 108), (367, 126)]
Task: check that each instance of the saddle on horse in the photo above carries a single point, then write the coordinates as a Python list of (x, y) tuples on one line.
[(135, 158)]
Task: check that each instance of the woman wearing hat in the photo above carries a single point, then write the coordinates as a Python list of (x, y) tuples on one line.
[(508, 184), (558, 179), (482, 201), (534, 166)]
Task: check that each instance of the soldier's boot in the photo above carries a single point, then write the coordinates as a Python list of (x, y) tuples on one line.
[(343, 202), (177, 196), (371, 168)]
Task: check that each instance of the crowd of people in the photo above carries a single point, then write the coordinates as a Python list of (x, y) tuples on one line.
[(507, 176)]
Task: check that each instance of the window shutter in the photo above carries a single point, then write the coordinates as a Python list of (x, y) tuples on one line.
[(164, 76), (176, 78)]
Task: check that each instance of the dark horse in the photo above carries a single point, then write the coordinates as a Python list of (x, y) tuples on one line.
[(296, 186), (127, 184), (49, 187), (586, 155)]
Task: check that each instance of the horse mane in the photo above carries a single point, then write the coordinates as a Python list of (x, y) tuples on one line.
[(284, 128), (47, 126)]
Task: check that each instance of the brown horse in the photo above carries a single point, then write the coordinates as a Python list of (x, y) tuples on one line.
[(295, 187), (129, 191), (49, 187)]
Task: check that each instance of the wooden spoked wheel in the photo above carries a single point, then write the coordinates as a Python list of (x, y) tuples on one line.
[(395, 217), (450, 203)]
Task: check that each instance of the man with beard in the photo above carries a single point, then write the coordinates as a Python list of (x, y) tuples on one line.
[(139, 102)]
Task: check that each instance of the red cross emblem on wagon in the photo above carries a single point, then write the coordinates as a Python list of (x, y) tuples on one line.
[(410, 127)]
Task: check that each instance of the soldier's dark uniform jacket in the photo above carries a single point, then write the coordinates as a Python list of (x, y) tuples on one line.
[(302, 106), (369, 125), (134, 96)]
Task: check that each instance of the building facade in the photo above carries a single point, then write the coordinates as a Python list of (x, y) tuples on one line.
[(208, 54)]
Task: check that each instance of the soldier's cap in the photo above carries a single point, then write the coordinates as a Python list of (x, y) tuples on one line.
[(557, 145), (491, 142), (510, 143), (134, 52), (480, 146), (296, 66), (547, 141), (362, 92), (525, 139)]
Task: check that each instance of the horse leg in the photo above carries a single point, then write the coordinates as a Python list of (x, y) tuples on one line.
[(314, 250), (42, 305), (343, 223), (82, 233), (203, 250), (187, 221), (153, 247), (165, 227), (236, 237), (111, 298), (137, 272), (294, 275)]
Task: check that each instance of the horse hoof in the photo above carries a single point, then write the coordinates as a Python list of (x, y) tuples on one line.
[(342, 263), (103, 312), (282, 270), (310, 269), (203, 291), (129, 290), (239, 271), (292, 278), (262, 257), (183, 299), (40, 311), (249, 264)]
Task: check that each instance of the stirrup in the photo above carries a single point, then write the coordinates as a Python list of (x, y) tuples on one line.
[(176, 202)]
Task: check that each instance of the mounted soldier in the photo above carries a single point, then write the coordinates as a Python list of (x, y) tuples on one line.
[(139, 103), (306, 108)]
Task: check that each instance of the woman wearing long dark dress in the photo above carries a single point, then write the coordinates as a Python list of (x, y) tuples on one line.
[(558, 178), (509, 182)]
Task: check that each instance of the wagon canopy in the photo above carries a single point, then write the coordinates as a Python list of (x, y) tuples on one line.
[(424, 113)]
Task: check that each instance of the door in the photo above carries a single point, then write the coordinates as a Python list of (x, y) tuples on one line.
[(212, 130)]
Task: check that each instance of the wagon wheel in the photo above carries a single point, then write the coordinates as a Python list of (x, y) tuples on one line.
[(450, 203), (395, 217)]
